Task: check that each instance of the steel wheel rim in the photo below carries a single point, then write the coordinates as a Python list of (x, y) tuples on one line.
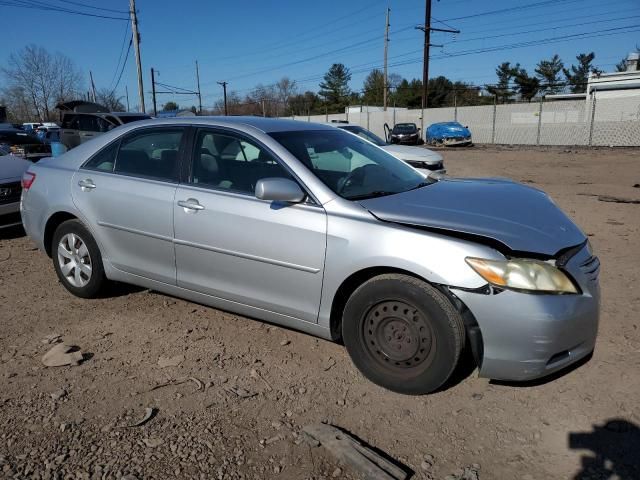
[(74, 260), (398, 336)]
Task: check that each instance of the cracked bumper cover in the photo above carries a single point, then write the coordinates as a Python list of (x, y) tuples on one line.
[(527, 336)]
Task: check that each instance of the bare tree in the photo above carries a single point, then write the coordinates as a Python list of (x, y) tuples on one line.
[(44, 78), (108, 98), (285, 89)]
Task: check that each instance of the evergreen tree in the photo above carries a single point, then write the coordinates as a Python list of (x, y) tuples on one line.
[(548, 72), (528, 86), (373, 88), (505, 73), (578, 75), (335, 87)]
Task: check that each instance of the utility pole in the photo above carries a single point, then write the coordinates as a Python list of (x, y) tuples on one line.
[(136, 44), (93, 86), (153, 91), (224, 90), (386, 50), (126, 89), (199, 96), (427, 29)]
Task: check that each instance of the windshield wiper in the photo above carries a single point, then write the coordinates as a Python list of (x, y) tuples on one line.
[(420, 185), (377, 193)]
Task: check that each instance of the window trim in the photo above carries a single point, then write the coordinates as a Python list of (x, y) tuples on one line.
[(187, 179)]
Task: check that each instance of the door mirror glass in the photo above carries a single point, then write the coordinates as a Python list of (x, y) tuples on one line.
[(279, 190)]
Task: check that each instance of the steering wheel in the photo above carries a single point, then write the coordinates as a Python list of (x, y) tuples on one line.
[(346, 182)]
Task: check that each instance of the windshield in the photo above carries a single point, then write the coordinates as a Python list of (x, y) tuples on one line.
[(348, 165), (405, 128), (366, 134)]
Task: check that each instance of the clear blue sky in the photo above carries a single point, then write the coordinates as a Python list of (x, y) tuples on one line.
[(247, 42)]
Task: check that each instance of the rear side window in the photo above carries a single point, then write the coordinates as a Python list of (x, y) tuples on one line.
[(68, 121), (133, 118), (152, 153), (88, 123), (104, 160)]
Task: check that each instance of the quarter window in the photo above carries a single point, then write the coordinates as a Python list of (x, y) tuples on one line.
[(104, 160), (151, 153), (226, 162)]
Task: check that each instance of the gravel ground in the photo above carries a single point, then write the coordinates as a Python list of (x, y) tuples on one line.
[(230, 395)]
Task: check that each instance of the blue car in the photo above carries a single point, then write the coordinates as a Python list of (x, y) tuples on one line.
[(448, 134)]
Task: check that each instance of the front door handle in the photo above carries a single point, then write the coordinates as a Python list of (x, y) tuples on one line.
[(190, 204), (86, 184)]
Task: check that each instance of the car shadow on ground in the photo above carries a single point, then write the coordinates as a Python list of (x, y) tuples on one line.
[(10, 233), (613, 451)]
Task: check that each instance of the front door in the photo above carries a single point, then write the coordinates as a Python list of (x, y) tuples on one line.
[(126, 193), (231, 245)]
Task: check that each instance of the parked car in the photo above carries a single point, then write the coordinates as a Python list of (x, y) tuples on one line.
[(23, 144), (421, 158), (31, 126), (448, 134), (405, 134), (82, 121), (48, 134), (316, 229), (12, 169)]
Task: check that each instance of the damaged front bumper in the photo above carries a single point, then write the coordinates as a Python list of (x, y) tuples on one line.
[(527, 336)]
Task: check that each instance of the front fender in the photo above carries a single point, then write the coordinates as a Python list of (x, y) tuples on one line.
[(356, 244)]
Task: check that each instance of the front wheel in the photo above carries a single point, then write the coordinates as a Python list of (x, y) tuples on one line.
[(402, 333), (77, 259)]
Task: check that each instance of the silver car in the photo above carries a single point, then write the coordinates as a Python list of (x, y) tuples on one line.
[(420, 158), (316, 229)]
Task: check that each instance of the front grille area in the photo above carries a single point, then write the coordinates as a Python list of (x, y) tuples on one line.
[(10, 192), (591, 268)]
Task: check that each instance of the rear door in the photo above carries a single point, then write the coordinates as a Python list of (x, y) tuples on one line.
[(231, 245), (126, 193)]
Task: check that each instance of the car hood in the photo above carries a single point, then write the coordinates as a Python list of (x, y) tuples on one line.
[(519, 217), (12, 168), (416, 154)]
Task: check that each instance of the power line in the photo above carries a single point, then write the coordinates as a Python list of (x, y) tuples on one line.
[(44, 7), (93, 7), (124, 64), (124, 43), (511, 9)]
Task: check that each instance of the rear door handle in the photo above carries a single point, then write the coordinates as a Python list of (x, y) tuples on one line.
[(190, 204), (86, 184)]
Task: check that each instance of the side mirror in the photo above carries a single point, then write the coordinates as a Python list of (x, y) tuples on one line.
[(279, 190)]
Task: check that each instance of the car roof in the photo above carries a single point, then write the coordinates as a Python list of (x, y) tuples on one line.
[(265, 124)]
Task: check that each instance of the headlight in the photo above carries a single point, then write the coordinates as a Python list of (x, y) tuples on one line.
[(519, 274)]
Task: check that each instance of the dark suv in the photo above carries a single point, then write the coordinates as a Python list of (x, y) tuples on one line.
[(406, 134), (82, 121)]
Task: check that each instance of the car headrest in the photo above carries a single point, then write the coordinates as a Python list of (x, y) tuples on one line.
[(209, 163)]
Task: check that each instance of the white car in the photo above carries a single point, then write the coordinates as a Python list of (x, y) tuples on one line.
[(418, 157)]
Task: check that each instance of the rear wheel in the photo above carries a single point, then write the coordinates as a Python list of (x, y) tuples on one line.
[(77, 259), (402, 333)]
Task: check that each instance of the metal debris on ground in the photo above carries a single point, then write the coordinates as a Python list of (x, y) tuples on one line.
[(52, 338), (174, 361), (149, 413), (240, 392), (350, 451), (62, 355)]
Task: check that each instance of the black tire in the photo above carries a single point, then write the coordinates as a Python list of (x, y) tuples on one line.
[(381, 320), (97, 280)]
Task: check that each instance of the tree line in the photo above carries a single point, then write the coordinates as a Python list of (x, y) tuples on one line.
[(36, 80)]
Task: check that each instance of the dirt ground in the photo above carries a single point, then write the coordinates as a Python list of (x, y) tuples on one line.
[(70, 422)]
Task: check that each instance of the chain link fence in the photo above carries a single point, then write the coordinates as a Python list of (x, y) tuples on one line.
[(602, 119)]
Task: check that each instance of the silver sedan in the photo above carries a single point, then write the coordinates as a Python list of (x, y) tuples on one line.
[(316, 229)]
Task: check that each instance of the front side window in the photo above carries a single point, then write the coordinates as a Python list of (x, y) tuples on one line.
[(348, 165), (152, 153), (227, 162)]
